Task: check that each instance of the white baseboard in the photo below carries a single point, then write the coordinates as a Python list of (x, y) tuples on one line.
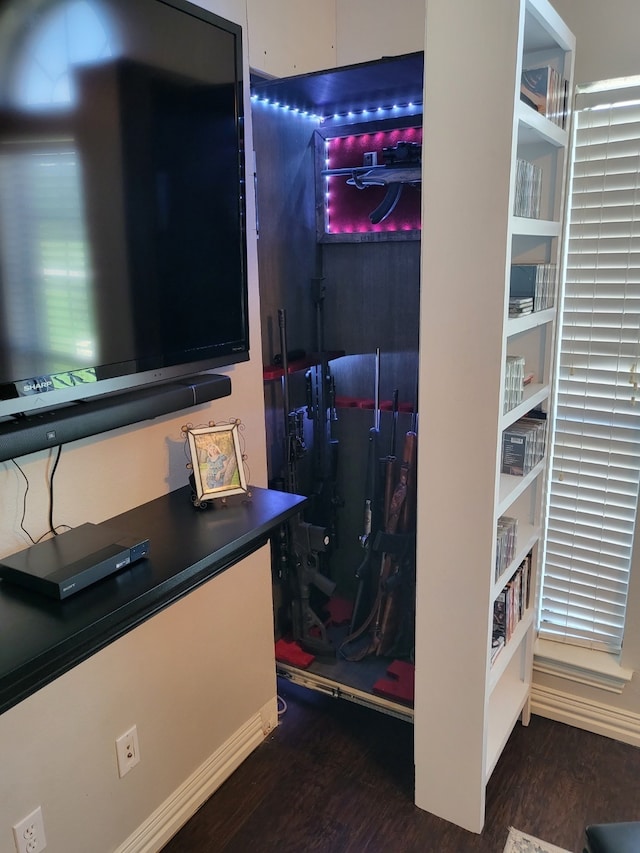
[(585, 714), (163, 824)]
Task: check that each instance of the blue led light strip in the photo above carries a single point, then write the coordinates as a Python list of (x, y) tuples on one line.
[(374, 112)]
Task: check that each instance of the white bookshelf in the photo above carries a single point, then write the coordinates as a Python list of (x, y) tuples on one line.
[(477, 129)]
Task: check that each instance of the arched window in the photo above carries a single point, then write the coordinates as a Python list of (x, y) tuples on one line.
[(70, 33)]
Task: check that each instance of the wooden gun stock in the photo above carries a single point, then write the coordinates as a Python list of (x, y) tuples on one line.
[(399, 522)]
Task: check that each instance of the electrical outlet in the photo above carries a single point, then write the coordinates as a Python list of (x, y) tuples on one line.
[(128, 751), (29, 833)]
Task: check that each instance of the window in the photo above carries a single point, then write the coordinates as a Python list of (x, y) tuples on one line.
[(595, 472), (42, 251)]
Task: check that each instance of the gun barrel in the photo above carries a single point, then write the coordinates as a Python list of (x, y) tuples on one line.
[(376, 391), (282, 323)]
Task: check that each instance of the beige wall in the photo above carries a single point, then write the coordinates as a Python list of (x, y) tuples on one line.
[(102, 476), (606, 37), (170, 676), (369, 30), (289, 37), (188, 679)]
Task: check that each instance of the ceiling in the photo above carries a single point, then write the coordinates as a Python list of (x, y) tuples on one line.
[(382, 82)]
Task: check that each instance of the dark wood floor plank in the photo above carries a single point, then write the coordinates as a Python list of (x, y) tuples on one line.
[(338, 778)]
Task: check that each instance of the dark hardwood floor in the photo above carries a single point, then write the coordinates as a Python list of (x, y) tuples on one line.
[(337, 777)]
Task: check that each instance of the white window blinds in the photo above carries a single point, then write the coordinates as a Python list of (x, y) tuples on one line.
[(43, 256), (596, 449)]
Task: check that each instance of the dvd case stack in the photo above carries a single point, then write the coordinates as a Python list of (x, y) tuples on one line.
[(520, 305), (533, 282), (513, 382), (545, 90), (510, 606), (528, 190), (524, 444), (506, 541)]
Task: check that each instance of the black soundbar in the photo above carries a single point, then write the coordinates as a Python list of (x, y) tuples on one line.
[(89, 417)]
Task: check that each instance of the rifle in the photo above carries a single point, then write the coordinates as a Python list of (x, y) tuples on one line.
[(399, 521), (395, 628), (394, 543), (294, 446), (300, 542), (402, 165), (307, 542), (321, 410), (371, 523)]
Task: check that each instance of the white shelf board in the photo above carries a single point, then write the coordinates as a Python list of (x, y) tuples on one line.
[(544, 29), (511, 487), (534, 127), (534, 394), (525, 227)]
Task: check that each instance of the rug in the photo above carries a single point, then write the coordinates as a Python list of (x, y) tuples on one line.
[(518, 842)]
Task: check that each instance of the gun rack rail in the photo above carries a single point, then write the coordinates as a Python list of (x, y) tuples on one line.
[(276, 371)]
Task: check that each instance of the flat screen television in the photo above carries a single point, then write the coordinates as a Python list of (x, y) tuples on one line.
[(122, 210)]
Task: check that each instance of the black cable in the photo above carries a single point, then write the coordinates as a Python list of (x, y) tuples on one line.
[(51, 529), (53, 471), (24, 502)]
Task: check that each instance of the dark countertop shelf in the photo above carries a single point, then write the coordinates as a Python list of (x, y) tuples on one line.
[(41, 638)]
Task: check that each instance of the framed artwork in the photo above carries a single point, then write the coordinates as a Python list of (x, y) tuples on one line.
[(217, 461)]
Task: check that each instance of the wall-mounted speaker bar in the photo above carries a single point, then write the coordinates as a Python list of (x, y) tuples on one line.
[(90, 417)]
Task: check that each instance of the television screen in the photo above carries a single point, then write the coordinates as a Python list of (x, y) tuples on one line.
[(122, 221)]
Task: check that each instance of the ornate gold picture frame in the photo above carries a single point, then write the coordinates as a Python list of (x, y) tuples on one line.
[(217, 461)]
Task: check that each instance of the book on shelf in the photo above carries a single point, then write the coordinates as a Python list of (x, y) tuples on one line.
[(528, 190), (544, 89), (510, 605), (513, 382), (524, 444), (496, 648), (506, 542), (520, 305), (536, 282), (499, 633)]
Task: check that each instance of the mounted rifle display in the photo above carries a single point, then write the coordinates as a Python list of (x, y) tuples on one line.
[(402, 166)]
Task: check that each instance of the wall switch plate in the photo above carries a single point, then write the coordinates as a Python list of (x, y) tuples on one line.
[(29, 833), (128, 751)]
